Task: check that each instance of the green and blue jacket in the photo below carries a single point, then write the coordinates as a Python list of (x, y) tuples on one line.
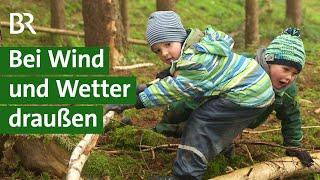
[(207, 67)]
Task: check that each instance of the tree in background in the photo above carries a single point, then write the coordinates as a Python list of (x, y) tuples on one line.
[(166, 5), (0, 40), (252, 23), (294, 12), (125, 19), (103, 26), (57, 19)]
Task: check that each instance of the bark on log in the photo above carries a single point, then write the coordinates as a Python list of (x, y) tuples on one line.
[(273, 169)]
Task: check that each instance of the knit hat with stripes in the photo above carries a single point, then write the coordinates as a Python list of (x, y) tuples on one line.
[(287, 49), (165, 26)]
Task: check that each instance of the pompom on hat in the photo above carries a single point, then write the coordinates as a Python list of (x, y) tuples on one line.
[(165, 26), (287, 49)]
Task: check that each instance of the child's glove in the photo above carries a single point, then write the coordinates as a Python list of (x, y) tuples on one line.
[(117, 108), (302, 155), (163, 74), (141, 87)]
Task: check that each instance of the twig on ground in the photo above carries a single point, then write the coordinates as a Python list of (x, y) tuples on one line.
[(249, 154), (273, 145), (164, 146), (277, 129), (112, 152), (121, 171), (142, 153)]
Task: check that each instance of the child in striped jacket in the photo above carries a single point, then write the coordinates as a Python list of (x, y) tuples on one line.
[(228, 91)]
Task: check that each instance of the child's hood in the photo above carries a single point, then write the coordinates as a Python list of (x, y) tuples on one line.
[(211, 42)]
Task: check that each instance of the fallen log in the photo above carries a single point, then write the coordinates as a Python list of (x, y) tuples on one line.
[(68, 32), (82, 151), (273, 169)]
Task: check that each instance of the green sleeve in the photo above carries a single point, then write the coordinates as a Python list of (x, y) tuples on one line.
[(289, 114)]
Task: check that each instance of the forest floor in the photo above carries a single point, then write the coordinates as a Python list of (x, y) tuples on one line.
[(131, 162)]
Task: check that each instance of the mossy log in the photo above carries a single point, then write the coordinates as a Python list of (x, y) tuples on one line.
[(273, 169)]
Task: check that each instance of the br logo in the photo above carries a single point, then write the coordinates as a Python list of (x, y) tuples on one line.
[(19, 25)]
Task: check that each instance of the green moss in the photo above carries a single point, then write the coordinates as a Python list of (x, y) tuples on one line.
[(130, 136), (67, 141), (216, 167), (100, 165), (219, 165), (21, 173)]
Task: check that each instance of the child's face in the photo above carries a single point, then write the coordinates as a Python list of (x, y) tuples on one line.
[(282, 75), (167, 51)]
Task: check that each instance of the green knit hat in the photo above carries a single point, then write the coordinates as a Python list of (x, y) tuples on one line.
[(287, 49)]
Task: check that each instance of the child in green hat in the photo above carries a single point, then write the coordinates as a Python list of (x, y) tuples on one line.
[(283, 60)]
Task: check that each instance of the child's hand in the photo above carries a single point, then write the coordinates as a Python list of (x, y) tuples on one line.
[(302, 155), (141, 87), (117, 108)]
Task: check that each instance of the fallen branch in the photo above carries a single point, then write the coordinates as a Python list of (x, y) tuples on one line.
[(137, 41), (132, 66), (67, 32), (164, 146), (249, 154), (277, 129), (273, 169), (274, 145), (48, 30), (82, 151), (305, 101)]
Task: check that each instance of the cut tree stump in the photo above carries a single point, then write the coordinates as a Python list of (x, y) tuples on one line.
[(273, 169), (40, 156)]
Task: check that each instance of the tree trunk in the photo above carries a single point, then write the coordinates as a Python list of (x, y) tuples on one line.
[(273, 169), (0, 37), (294, 12), (103, 26), (252, 23), (57, 19), (125, 19), (166, 5)]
